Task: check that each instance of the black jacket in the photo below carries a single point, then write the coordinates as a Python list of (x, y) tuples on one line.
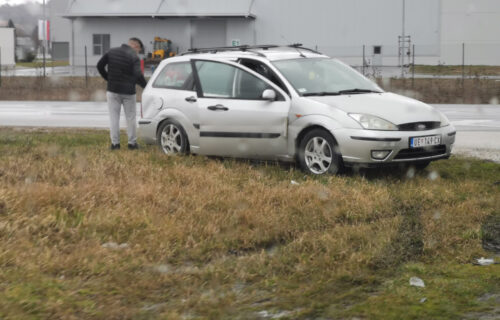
[(124, 70)]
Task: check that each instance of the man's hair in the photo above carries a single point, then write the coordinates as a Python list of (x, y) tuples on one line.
[(138, 41)]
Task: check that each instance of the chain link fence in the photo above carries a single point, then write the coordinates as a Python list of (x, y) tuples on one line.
[(423, 76), (375, 61), (421, 61)]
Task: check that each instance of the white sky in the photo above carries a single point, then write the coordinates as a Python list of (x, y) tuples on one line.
[(14, 2)]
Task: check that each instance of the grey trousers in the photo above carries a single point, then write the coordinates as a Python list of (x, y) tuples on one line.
[(115, 102)]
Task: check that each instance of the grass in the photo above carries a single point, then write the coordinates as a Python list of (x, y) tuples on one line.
[(55, 88), (39, 64), (476, 70), (435, 90), (86, 233)]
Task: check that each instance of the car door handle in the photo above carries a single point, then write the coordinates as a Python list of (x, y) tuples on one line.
[(191, 99), (218, 107)]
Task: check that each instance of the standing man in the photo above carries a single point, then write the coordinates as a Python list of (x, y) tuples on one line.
[(122, 74)]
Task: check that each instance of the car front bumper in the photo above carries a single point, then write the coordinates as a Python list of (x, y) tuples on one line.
[(357, 145)]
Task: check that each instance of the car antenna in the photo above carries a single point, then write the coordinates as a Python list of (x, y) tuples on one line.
[(296, 46)]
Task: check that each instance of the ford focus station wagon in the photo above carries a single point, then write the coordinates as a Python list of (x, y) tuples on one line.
[(288, 104)]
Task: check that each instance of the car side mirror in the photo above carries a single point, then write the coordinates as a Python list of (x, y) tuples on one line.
[(269, 95)]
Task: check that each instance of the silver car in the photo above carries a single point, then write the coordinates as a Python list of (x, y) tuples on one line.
[(289, 104)]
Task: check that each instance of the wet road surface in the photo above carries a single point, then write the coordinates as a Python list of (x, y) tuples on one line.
[(478, 126)]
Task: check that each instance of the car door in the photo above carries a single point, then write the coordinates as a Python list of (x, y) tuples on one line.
[(235, 120), (172, 94)]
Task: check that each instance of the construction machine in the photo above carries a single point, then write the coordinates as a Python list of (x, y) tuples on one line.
[(162, 48)]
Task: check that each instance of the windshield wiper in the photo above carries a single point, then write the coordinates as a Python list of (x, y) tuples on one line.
[(356, 90), (333, 93), (320, 94)]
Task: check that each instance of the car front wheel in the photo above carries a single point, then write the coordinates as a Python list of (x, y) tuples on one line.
[(317, 153), (171, 138)]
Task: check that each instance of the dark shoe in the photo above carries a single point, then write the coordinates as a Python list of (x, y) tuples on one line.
[(115, 147), (134, 146)]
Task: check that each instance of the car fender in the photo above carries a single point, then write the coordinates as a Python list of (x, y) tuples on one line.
[(189, 127), (309, 121)]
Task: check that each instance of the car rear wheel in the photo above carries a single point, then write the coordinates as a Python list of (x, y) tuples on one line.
[(318, 153), (172, 138)]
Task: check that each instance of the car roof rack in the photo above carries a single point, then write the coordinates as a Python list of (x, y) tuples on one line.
[(247, 48), (301, 47)]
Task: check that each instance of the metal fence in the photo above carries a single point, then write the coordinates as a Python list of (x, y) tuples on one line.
[(420, 61)]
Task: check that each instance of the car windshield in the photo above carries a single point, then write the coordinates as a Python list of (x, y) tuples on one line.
[(324, 76)]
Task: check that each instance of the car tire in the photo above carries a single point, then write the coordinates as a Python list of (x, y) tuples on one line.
[(318, 153), (172, 138)]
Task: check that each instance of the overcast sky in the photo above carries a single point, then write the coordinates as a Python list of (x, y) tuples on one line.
[(14, 2)]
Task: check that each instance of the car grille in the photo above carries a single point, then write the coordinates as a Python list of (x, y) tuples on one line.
[(419, 126), (421, 152)]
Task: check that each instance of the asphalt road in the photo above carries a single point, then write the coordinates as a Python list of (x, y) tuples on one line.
[(478, 126)]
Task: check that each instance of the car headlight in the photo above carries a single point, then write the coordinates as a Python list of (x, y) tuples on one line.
[(370, 122), (444, 120)]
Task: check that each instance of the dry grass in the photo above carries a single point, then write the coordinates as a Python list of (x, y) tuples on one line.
[(457, 70), (39, 64), (477, 90), (55, 88), (223, 239)]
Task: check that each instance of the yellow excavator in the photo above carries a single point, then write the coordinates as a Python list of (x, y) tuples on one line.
[(162, 48)]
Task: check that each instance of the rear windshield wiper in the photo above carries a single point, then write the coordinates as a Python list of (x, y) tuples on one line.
[(356, 90), (323, 93)]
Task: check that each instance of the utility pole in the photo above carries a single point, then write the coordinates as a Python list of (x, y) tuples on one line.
[(44, 41), (403, 39), (404, 43), (363, 68)]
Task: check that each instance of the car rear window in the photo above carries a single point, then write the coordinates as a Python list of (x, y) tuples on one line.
[(175, 76)]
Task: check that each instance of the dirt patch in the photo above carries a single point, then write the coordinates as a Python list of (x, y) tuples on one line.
[(493, 314), (491, 233), (407, 245)]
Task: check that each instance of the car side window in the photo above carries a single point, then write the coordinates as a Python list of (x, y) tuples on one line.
[(175, 76), (219, 80), (216, 79), (264, 71)]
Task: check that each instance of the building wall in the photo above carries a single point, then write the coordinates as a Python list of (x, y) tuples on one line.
[(179, 31), (338, 28), (121, 29), (60, 30), (7, 47), (476, 23)]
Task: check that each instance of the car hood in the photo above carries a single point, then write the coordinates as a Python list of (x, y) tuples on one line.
[(389, 106)]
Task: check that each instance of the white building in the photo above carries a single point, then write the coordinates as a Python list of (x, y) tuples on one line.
[(340, 28), (7, 47)]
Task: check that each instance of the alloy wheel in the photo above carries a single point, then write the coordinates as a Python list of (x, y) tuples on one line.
[(171, 139), (318, 155)]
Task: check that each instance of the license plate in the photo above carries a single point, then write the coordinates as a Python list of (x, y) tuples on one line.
[(418, 142)]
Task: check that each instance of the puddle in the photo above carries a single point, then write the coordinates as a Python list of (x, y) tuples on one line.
[(490, 231)]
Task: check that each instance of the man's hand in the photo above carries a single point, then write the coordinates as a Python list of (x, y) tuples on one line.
[(101, 66)]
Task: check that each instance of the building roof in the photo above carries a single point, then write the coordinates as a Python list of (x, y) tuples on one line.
[(159, 8)]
